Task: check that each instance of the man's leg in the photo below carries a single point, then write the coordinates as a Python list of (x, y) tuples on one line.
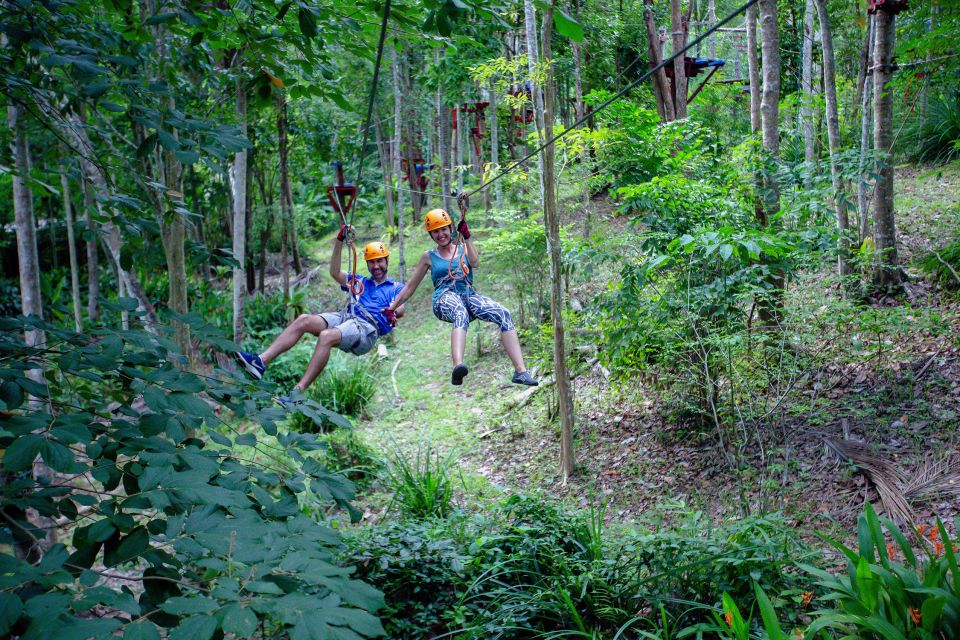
[(329, 338), (292, 334)]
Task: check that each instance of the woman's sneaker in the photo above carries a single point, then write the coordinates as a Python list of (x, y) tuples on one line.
[(524, 377), (251, 363), (459, 373)]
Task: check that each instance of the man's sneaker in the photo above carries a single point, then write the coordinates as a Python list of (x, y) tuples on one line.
[(459, 373), (291, 401), (251, 363), (524, 377)]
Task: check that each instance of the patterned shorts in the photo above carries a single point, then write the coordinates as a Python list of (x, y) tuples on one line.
[(461, 309)]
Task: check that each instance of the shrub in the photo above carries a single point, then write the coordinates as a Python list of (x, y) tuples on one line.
[(935, 137), (215, 544), (423, 568), (422, 483), (348, 454), (882, 596), (945, 274)]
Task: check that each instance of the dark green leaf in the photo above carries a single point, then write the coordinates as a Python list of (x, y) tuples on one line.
[(308, 24), (11, 394), (59, 457), (183, 606), (195, 628), (10, 610), (160, 18), (22, 452), (239, 620), (141, 631)]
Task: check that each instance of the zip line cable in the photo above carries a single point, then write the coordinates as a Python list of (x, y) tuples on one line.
[(613, 99)]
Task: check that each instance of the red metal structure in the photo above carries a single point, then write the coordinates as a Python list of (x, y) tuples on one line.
[(420, 168), (478, 129), (341, 192), (893, 7)]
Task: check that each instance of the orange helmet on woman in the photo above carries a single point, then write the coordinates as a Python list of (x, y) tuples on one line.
[(436, 218), (375, 250)]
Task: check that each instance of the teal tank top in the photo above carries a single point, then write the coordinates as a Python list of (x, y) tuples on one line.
[(440, 272)]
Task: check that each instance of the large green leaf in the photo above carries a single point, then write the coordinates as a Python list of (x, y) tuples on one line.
[(10, 609), (566, 25)]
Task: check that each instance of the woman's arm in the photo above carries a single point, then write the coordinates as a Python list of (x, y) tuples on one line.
[(473, 256), (423, 265)]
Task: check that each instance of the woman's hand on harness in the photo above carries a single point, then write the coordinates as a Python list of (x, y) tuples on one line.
[(391, 316), (463, 229)]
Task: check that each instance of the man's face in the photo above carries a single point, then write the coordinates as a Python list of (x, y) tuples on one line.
[(378, 269)]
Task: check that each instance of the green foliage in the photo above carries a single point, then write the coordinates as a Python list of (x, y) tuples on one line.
[(934, 137), (348, 454), (422, 568), (890, 590), (939, 262), (220, 541), (422, 482)]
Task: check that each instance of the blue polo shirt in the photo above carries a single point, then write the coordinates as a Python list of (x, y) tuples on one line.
[(374, 299)]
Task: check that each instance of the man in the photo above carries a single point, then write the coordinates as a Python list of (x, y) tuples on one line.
[(354, 332)]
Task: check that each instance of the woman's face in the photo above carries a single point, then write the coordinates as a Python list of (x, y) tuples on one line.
[(442, 235)]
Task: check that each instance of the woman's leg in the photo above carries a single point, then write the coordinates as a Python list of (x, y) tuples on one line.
[(449, 307), (486, 309)]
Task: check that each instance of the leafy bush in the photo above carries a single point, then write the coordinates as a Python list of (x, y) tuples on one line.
[(154, 491), (349, 455), (423, 567), (422, 483), (933, 264), (935, 137), (883, 597)]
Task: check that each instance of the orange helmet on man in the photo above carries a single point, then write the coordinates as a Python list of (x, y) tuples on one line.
[(436, 219), (374, 250)]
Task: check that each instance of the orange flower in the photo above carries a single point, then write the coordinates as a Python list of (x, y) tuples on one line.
[(728, 616), (915, 615), (921, 529), (934, 534), (938, 548), (807, 598), (890, 550)]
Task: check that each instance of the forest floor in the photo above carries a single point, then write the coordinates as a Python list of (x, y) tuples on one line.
[(634, 450)]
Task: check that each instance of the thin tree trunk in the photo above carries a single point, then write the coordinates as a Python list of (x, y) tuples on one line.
[(93, 251), (770, 101), (533, 60), (833, 137), (71, 246), (712, 20), (679, 26), (74, 130), (396, 148), (806, 83), (661, 85), (285, 199), (888, 275), (443, 118), (495, 145), (753, 69), (552, 223), (238, 176), (28, 258), (866, 122), (383, 153)]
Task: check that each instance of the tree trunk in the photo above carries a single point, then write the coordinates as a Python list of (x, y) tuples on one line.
[(238, 177), (770, 102), (806, 83), (679, 26), (443, 121), (395, 154), (833, 137), (383, 153), (552, 223), (495, 146), (661, 86), (71, 246), (887, 275), (74, 130), (93, 254), (285, 198), (533, 60), (753, 69), (26, 227), (866, 122)]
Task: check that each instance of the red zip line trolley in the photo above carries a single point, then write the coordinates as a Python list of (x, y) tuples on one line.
[(341, 196), (893, 7)]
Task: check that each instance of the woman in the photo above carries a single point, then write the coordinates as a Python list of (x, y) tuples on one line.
[(454, 299)]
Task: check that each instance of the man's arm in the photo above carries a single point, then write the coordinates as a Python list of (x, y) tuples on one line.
[(335, 258)]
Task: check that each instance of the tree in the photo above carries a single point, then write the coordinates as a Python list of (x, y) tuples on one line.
[(887, 274), (71, 247), (679, 24), (661, 87), (396, 147), (770, 104), (238, 181), (551, 221), (753, 68), (866, 120), (833, 138), (533, 61), (806, 83)]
